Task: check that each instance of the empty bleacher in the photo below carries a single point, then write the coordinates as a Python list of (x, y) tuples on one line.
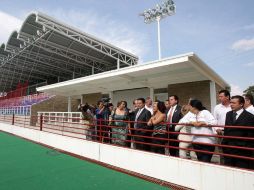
[(21, 105)]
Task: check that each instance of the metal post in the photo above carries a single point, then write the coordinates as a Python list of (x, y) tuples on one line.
[(118, 63), (13, 117), (41, 120), (92, 70), (100, 130), (167, 8), (159, 36)]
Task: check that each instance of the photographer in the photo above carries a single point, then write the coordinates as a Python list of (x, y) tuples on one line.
[(88, 120), (102, 116)]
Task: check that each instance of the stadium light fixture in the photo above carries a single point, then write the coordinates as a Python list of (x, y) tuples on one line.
[(167, 8), (38, 32), (44, 29)]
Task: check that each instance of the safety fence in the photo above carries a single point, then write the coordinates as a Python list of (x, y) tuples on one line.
[(21, 105), (231, 150), (17, 110)]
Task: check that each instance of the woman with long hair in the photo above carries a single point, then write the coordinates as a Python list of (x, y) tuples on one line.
[(158, 122), (200, 119)]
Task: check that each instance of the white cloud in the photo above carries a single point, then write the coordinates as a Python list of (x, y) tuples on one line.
[(243, 45), (236, 90), (8, 24), (104, 27)]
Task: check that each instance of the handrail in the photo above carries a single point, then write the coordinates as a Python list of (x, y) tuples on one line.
[(73, 125)]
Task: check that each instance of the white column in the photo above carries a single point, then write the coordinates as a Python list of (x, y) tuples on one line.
[(212, 95), (81, 99), (152, 93), (69, 104), (111, 96)]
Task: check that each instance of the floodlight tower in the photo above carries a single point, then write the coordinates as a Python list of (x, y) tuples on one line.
[(167, 8)]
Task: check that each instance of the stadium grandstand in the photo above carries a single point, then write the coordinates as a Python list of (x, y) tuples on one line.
[(47, 51), (47, 69)]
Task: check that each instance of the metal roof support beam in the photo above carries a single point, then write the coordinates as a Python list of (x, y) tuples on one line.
[(25, 37), (26, 74), (89, 41), (16, 53), (63, 53), (45, 62), (64, 49), (38, 68)]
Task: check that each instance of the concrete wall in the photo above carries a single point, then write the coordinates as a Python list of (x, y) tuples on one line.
[(188, 173), (92, 98), (185, 91), (54, 104), (130, 95)]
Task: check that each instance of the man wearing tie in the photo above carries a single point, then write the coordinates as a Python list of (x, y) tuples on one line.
[(142, 116), (173, 116), (238, 117)]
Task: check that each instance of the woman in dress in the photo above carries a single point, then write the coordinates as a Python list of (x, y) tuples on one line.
[(120, 124), (158, 122)]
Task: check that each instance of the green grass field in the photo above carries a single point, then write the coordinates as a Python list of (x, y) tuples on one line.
[(28, 166)]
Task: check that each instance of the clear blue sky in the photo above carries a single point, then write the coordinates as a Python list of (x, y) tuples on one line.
[(221, 32)]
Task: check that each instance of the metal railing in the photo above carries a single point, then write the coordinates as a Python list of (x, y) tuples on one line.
[(17, 110), (103, 131)]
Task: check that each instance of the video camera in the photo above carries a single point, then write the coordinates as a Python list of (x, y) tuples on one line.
[(85, 107), (106, 101)]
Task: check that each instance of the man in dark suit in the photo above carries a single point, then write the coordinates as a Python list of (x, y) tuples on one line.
[(238, 117), (142, 116), (173, 116)]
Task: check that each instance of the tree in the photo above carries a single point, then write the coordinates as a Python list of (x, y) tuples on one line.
[(249, 90)]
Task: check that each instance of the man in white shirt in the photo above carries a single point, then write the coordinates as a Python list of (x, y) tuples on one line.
[(248, 105), (221, 110)]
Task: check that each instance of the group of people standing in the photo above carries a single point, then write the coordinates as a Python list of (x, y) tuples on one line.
[(171, 129)]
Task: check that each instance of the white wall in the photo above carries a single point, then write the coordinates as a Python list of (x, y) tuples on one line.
[(130, 95), (187, 173)]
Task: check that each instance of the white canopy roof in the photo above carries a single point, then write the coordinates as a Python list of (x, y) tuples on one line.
[(157, 74)]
